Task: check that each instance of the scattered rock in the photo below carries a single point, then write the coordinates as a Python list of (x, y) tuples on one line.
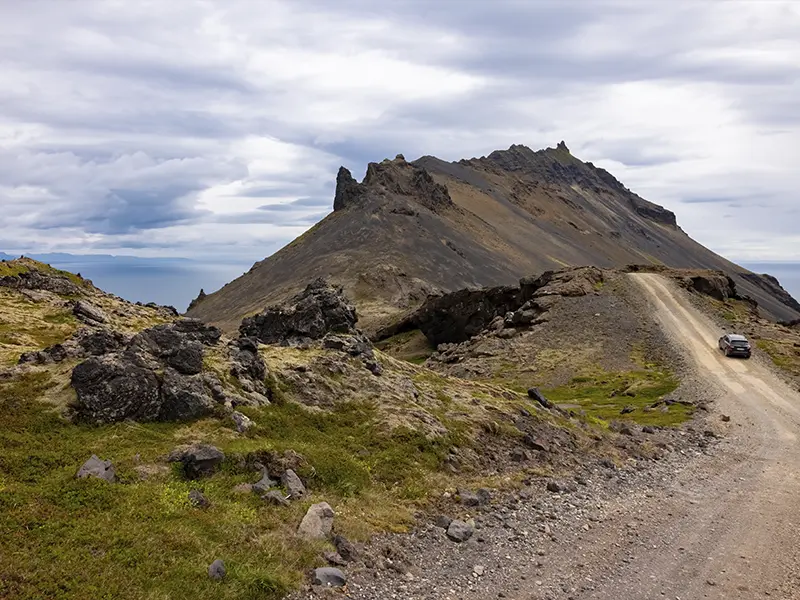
[(86, 311), (479, 498), (198, 460), (648, 429), (345, 548), (443, 521), (725, 418), (627, 410), (459, 531), (95, 467), (198, 499), (560, 487), (532, 443), (317, 523), (275, 497), (264, 484), (334, 559), (294, 486), (535, 394), (242, 422), (329, 577), (216, 570)]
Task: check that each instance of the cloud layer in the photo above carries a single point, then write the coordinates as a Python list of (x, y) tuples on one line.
[(214, 129)]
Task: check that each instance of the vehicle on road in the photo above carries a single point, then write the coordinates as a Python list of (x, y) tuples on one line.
[(733, 344)]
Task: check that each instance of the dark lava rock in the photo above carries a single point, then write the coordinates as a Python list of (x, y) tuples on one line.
[(329, 577), (198, 460), (535, 394), (101, 341), (216, 570), (345, 548), (316, 311), (183, 397), (110, 389), (246, 362), (443, 521), (95, 467), (187, 358), (534, 444)]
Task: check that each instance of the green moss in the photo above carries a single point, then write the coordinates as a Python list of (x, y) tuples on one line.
[(604, 395), (411, 346)]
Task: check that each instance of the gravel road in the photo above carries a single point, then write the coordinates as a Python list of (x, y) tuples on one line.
[(717, 518)]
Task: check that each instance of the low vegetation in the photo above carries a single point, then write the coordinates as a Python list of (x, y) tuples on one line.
[(411, 346), (67, 538), (27, 325)]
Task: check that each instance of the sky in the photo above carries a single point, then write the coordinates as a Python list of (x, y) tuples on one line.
[(213, 130)]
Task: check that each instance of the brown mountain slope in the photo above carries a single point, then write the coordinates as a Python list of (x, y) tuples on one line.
[(410, 229)]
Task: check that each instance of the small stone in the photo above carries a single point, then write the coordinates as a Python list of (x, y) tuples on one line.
[(648, 429), (725, 418), (198, 499), (294, 486), (334, 559), (443, 521), (329, 577), (242, 421), (478, 570), (263, 485), (95, 467), (216, 570), (345, 548), (275, 497)]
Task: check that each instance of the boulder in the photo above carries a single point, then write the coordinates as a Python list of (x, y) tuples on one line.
[(183, 397), (88, 312), (329, 577), (317, 522), (100, 341), (294, 486), (459, 531), (198, 460), (110, 389), (187, 358), (316, 311), (98, 468)]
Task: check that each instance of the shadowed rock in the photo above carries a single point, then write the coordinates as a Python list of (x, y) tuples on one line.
[(100, 469)]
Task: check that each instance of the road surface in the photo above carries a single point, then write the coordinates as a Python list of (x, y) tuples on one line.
[(729, 526)]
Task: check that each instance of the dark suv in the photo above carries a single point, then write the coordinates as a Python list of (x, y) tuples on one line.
[(733, 344)]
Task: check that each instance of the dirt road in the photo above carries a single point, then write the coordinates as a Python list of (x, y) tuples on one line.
[(727, 527)]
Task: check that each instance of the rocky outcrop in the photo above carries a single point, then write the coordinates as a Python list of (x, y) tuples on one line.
[(155, 376), (31, 278), (456, 317), (84, 343), (348, 190), (200, 297), (197, 460), (772, 286), (319, 309)]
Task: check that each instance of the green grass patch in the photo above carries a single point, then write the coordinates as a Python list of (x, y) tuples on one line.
[(783, 354), (411, 346), (604, 395), (64, 538)]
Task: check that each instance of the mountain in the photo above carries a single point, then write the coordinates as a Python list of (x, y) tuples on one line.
[(410, 229)]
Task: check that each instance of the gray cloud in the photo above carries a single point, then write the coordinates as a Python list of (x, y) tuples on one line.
[(213, 128)]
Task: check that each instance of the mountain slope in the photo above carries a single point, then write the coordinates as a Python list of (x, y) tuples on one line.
[(410, 229)]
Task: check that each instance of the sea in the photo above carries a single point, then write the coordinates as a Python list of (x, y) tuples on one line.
[(177, 281), (786, 272)]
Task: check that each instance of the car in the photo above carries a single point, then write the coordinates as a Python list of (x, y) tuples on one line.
[(733, 344)]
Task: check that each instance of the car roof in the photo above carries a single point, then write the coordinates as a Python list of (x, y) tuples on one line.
[(737, 337)]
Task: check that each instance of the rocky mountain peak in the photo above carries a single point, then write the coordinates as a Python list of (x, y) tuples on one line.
[(391, 178)]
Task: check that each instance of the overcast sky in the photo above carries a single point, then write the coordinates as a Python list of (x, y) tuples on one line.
[(215, 128)]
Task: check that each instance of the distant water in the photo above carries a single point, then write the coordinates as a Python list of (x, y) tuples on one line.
[(787, 273), (160, 282)]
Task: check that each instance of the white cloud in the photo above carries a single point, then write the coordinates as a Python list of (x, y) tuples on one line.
[(157, 128)]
